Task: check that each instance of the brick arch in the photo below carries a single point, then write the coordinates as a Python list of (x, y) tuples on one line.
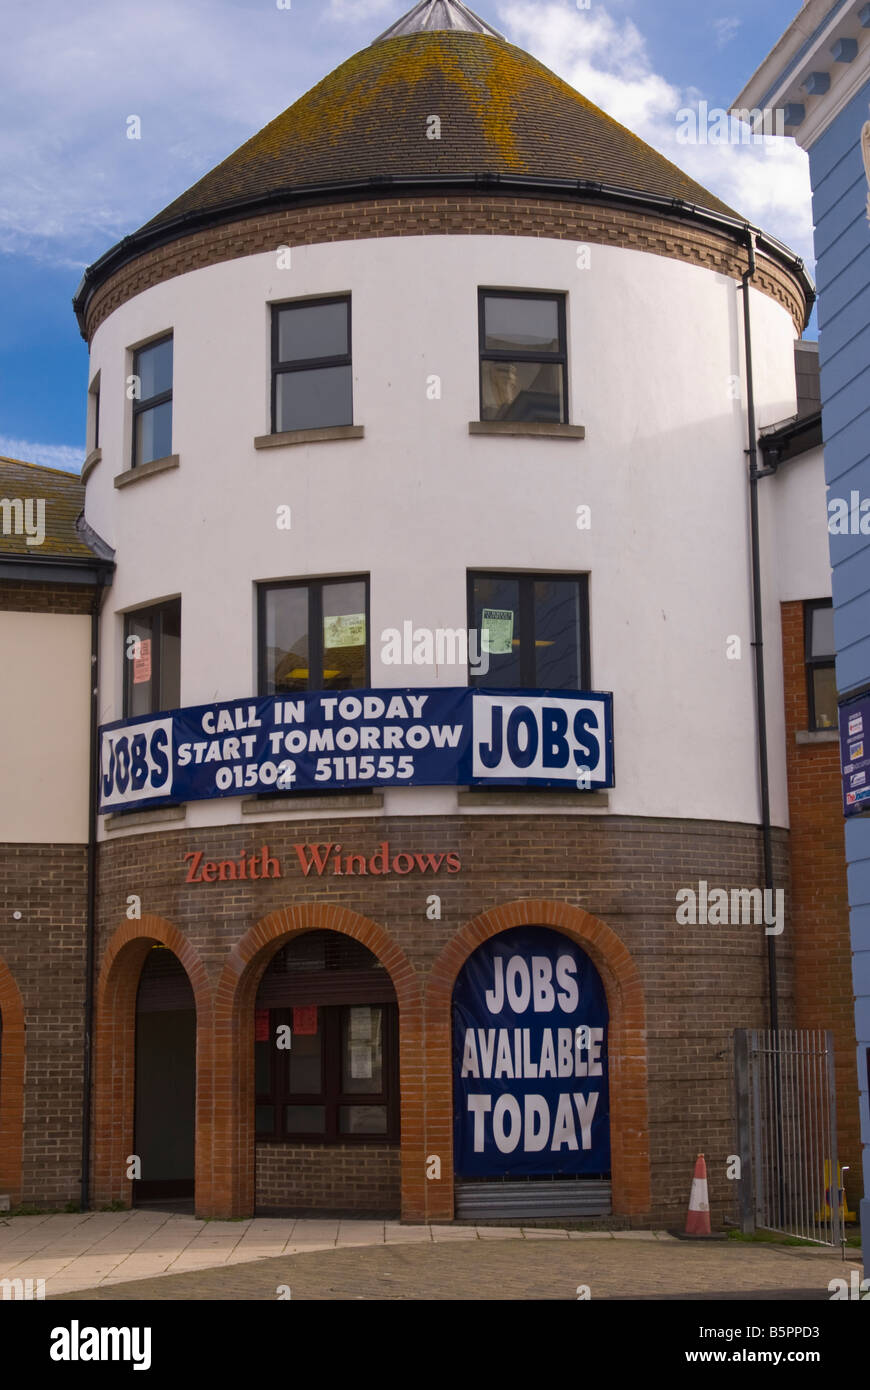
[(11, 1085), (115, 1050), (232, 1186), (629, 1125)]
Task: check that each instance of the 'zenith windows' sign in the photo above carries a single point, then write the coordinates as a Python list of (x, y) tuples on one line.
[(364, 738), (319, 859)]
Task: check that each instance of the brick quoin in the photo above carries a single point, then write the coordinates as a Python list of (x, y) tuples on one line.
[(629, 1122), (11, 1086)]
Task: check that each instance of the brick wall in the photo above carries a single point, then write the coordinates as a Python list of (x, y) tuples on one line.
[(24, 596), (44, 954), (699, 982), (820, 899), (438, 216), (309, 1177)]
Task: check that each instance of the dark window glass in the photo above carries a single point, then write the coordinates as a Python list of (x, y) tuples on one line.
[(495, 615), (523, 357), (152, 664), (340, 1082), (152, 406), (307, 331), (820, 660), (521, 325), (96, 395), (313, 636), (534, 627), (557, 634), (312, 383)]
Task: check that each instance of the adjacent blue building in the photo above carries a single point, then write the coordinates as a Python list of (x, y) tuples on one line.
[(818, 76)]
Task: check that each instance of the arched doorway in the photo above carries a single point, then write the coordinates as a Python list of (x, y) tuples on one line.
[(326, 1062), (165, 1096), (530, 1079)]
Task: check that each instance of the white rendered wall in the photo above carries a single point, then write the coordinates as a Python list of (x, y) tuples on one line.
[(44, 722), (655, 361)]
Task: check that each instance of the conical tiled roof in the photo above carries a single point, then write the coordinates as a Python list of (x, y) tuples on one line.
[(502, 113)]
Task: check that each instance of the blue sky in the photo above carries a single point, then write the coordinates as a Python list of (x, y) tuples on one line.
[(203, 75)]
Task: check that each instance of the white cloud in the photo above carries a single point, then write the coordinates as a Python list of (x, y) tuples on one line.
[(356, 10), (725, 30), (203, 76), (64, 456), (606, 59)]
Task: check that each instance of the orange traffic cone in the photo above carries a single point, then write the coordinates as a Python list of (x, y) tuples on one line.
[(698, 1219)]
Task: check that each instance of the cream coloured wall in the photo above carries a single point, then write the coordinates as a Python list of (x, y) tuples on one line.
[(44, 714)]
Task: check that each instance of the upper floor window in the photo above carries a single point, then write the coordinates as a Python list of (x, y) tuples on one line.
[(820, 661), (152, 659), (313, 635), (534, 627), (312, 385), (523, 357), (94, 403), (152, 402)]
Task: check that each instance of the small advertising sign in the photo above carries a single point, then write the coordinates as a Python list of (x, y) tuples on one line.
[(855, 753)]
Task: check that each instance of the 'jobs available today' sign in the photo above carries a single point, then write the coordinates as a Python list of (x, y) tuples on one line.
[(530, 1059), (360, 738)]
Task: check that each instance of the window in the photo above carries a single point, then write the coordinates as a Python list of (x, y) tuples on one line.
[(94, 394), (820, 656), (338, 1082), (152, 665), (152, 403), (313, 635), (535, 628), (523, 357), (332, 1084), (312, 385)]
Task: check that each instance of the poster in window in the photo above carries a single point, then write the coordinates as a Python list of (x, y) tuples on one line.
[(142, 662), (360, 1042), (497, 631), (305, 1020), (261, 1025), (345, 630)]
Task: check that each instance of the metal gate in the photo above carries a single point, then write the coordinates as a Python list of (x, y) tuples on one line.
[(787, 1133)]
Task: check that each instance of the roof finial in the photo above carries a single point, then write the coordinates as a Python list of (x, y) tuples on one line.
[(439, 14)]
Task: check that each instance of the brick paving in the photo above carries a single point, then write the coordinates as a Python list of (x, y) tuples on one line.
[(148, 1255)]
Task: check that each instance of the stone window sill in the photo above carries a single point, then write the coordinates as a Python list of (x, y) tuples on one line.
[(147, 470), (153, 816), (817, 736), (290, 806), (90, 464), (329, 432), (527, 429), (533, 799)]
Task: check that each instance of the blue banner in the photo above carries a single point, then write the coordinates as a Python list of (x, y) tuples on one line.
[(359, 738), (530, 1088), (855, 754)]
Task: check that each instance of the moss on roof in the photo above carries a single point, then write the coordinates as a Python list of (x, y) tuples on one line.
[(501, 112), (63, 496)]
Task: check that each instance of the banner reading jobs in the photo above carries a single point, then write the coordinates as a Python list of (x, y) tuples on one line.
[(361, 738), (530, 1088)]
